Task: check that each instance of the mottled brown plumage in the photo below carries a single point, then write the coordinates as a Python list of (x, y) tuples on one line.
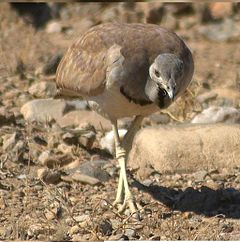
[(83, 69), (126, 70)]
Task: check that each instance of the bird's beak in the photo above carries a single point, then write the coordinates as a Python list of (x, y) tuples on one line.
[(171, 88), (170, 93)]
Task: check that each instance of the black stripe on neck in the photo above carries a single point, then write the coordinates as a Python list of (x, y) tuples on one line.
[(141, 102)]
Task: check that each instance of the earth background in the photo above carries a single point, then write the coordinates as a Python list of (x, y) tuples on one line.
[(42, 193)]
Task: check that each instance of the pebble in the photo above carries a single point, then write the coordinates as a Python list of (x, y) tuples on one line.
[(54, 27), (43, 89), (105, 227), (9, 141), (88, 139), (49, 176), (130, 232), (44, 157), (74, 230), (107, 142), (82, 218), (200, 175)]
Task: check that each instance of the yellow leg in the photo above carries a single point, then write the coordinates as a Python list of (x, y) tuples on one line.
[(122, 150)]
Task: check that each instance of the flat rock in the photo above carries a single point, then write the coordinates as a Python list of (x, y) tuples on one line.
[(217, 115), (185, 148), (92, 169), (82, 178), (83, 117), (44, 110)]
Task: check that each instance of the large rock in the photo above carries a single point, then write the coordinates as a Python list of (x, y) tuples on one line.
[(44, 110), (185, 148), (217, 115)]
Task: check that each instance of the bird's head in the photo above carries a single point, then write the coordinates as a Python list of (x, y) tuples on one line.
[(165, 76)]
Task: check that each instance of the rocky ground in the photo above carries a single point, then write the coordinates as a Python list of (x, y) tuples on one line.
[(56, 180)]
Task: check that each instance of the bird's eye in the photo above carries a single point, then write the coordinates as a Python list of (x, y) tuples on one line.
[(157, 73)]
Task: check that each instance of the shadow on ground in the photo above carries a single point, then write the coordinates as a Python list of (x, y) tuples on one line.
[(225, 202)]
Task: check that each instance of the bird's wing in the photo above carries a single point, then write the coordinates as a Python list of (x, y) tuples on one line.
[(82, 71)]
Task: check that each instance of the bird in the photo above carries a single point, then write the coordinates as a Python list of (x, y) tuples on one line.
[(126, 70)]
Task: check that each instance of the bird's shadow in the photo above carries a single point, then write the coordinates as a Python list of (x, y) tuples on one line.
[(205, 201)]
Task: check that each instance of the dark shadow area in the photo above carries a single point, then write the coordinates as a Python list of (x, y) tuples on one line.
[(204, 201), (38, 14)]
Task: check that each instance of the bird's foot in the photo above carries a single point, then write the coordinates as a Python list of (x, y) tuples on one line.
[(117, 201), (129, 202)]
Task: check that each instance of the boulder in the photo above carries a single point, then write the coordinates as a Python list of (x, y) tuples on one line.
[(185, 148)]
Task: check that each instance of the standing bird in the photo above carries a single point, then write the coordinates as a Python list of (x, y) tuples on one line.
[(125, 70)]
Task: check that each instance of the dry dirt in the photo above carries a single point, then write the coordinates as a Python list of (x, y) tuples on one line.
[(199, 206)]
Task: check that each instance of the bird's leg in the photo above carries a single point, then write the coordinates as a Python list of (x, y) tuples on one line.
[(119, 153), (129, 136), (122, 150)]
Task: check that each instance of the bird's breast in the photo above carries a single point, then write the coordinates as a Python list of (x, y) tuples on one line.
[(112, 104)]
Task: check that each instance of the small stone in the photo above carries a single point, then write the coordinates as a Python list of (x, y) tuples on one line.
[(105, 227), (64, 148), (147, 182), (88, 139), (159, 119), (9, 141), (35, 229), (115, 223), (43, 89), (82, 218), (107, 142), (54, 27), (200, 175), (74, 230), (49, 176), (50, 215), (44, 157), (130, 233), (70, 139)]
